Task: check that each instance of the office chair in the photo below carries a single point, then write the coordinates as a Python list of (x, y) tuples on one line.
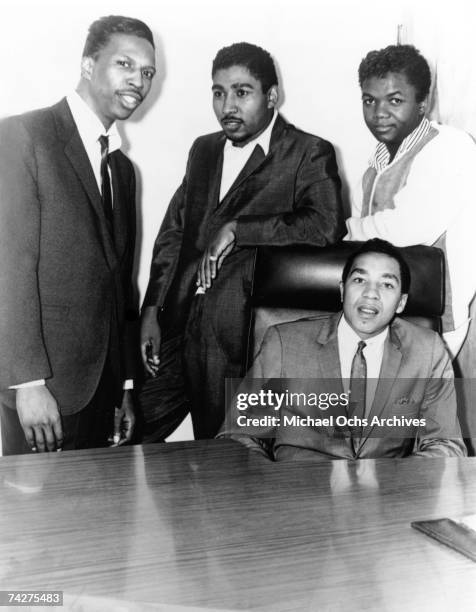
[(296, 282)]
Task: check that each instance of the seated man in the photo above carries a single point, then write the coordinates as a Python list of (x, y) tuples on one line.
[(401, 396), (420, 187)]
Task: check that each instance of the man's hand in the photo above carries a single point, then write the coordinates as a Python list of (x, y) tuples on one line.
[(217, 250), (40, 418), (150, 337), (124, 420)]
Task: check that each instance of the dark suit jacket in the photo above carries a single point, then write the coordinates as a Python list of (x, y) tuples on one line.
[(416, 382), (64, 284), (290, 196)]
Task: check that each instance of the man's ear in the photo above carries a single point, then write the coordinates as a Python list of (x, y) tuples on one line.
[(402, 303), (272, 96), (341, 287), (422, 106), (87, 65)]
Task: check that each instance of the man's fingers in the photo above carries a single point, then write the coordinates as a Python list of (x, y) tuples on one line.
[(199, 274), (151, 369), (126, 436), (224, 253), (150, 359), (30, 438), (213, 266), (143, 352), (118, 414), (58, 432), (50, 438), (206, 270), (39, 439), (210, 268), (202, 277)]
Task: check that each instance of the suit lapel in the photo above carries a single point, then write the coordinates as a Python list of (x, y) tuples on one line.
[(392, 357), (255, 161), (328, 362), (120, 192), (78, 158), (216, 168)]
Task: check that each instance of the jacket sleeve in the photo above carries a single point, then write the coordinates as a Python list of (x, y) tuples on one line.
[(440, 436), (317, 216), (167, 246), (130, 340), (267, 365), (23, 355)]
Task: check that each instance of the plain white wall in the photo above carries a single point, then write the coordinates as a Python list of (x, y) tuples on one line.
[(317, 45)]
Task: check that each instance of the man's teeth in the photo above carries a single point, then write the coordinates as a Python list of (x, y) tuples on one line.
[(130, 99)]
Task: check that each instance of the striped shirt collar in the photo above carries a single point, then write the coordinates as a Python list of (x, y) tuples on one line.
[(381, 157)]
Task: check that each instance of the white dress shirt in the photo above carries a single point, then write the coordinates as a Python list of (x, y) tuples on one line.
[(347, 341), (235, 158), (90, 129)]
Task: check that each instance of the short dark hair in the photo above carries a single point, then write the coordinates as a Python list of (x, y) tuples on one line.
[(376, 245), (404, 59), (101, 30), (258, 61)]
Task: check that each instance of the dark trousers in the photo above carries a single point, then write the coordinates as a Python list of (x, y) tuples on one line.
[(163, 399), (214, 350), (193, 367), (88, 428)]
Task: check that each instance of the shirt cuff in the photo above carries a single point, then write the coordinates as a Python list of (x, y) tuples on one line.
[(33, 383), (128, 384)]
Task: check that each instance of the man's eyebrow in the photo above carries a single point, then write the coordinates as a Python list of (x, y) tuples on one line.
[(397, 92), (131, 59), (233, 86), (358, 271), (389, 95), (393, 276), (240, 85)]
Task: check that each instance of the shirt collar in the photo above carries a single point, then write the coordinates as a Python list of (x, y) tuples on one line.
[(89, 125), (263, 140), (346, 334), (381, 157)]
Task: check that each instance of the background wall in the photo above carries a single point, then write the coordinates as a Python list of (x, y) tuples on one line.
[(317, 45)]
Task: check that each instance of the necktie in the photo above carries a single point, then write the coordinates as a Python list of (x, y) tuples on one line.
[(358, 383), (106, 194)]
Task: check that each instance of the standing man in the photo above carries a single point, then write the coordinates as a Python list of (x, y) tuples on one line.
[(67, 233), (420, 186), (259, 181)]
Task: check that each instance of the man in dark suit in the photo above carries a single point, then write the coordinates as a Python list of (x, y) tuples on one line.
[(360, 384), (67, 233), (260, 181)]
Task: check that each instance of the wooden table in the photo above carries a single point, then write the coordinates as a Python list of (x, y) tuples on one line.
[(207, 525)]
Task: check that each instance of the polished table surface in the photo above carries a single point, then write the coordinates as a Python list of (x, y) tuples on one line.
[(208, 525)]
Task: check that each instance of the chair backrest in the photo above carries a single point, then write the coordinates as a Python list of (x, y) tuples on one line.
[(299, 281)]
